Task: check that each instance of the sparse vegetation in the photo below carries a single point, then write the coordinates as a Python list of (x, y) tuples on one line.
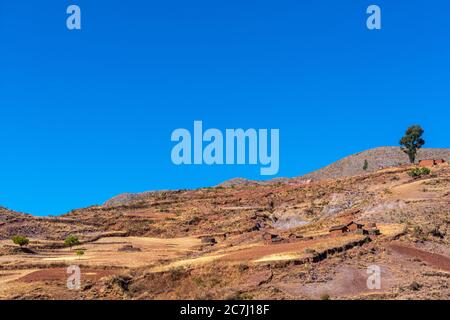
[(365, 165), (310, 251), (414, 286), (417, 232), (242, 267), (418, 172), (435, 232), (176, 273)]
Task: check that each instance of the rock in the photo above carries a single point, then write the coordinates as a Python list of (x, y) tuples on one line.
[(129, 248)]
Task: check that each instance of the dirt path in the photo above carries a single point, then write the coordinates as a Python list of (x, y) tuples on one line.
[(434, 259), (60, 274)]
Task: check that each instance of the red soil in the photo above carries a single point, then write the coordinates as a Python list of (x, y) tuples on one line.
[(434, 259)]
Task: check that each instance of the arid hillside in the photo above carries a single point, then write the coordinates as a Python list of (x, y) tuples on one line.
[(382, 157), (289, 239)]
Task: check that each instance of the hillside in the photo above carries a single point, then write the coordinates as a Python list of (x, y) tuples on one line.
[(377, 158), (244, 241)]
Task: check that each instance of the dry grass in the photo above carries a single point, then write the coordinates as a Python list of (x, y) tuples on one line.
[(391, 229)]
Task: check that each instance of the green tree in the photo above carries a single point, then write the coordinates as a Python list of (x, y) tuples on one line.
[(412, 141), (20, 241), (366, 165), (71, 241)]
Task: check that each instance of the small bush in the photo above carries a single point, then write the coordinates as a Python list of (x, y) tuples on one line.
[(310, 251), (417, 232), (176, 273), (414, 286), (325, 297), (79, 252), (20, 241), (435, 232), (418, 172), (242, 267)]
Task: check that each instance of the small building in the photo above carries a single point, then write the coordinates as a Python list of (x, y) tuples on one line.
[(431, 162), (337, 230), (352, 226)]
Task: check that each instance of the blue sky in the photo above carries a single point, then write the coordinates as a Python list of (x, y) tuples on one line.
[(86, 115)]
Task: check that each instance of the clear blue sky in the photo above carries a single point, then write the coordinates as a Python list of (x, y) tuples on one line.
[(86, 115)]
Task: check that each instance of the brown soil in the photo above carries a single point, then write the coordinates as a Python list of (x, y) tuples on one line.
[(60, 274)]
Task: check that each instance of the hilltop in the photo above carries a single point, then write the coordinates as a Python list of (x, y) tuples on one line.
[(377, 158)]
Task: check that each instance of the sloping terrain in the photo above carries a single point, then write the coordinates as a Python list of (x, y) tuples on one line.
[(243, 241)]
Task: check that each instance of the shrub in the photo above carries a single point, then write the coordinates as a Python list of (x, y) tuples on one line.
[(20, 241), (79, 252), (417, 232), (435, 232), (176, 273), (310, 251), (414, 286), (418, 172), (325, 297), (242, 267)]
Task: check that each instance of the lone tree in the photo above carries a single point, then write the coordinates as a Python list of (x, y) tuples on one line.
[(412, 141), (71, 241), (366, 165), (20, 241)]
